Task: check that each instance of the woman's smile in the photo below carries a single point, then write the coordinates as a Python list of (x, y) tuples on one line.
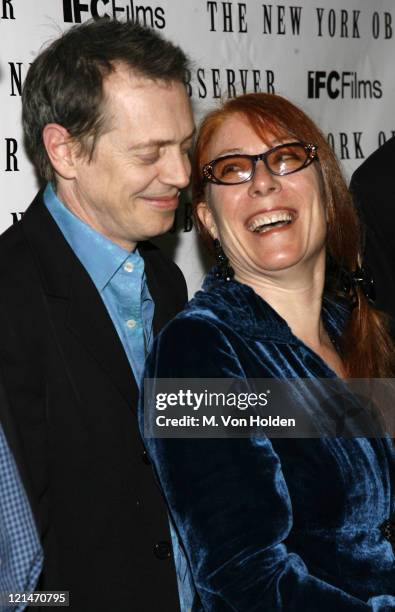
[(268, 221)]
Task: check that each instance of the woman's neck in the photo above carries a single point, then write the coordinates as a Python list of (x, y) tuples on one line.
[(297, 297)]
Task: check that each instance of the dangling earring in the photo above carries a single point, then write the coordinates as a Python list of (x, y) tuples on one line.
[(224, 270)]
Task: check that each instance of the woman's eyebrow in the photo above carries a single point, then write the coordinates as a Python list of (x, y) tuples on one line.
[(229, 152)]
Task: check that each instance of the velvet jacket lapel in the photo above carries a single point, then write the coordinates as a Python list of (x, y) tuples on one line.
[(64, 277)]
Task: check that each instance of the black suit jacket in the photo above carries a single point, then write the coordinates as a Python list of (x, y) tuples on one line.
[(373, 186), (73, 397)]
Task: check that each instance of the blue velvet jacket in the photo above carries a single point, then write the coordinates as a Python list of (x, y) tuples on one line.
[(280, 524)]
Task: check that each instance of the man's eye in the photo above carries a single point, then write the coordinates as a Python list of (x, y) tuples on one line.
[(149, 159)]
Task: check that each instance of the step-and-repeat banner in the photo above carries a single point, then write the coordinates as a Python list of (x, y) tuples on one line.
[(335, 58)]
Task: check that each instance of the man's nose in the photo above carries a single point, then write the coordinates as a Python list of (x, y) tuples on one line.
[(176, 170)]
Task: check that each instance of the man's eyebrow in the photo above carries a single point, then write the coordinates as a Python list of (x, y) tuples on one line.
[(157, 142)]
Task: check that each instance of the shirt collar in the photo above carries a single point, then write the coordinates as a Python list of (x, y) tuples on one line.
[(100, 256)]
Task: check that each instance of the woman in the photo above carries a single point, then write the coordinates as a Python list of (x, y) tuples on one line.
[(278, 524)]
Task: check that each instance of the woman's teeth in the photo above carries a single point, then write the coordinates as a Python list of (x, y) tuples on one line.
[(268, 221)]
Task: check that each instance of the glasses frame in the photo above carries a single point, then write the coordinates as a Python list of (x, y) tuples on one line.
[(208, 169)]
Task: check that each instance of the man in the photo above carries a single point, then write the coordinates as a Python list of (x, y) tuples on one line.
[(108, 124), (373, 185)]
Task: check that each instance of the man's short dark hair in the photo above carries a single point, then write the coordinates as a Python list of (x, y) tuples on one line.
[(64, 84)]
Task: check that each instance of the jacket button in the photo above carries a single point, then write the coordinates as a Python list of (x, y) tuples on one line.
[(162, 550), (145, 458)]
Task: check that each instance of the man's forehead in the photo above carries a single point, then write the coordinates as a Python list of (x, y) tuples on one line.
[(125, 78), (153, 111), (160, 142), (124, 89)]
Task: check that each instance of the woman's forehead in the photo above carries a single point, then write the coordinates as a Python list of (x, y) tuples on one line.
[(237, 132)]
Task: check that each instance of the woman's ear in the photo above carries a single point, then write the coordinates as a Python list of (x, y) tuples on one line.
[(207, 219)]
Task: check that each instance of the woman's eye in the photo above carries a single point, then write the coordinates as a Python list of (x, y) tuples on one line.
[(296, 153), (286, 155), (229, 168)]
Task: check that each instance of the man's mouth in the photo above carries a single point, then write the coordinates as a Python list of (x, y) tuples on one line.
[(162, 198), (163, 201), (265, 222)]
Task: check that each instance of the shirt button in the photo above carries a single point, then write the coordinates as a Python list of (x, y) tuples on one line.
[(131, 323), (162, 550), (128, 267)]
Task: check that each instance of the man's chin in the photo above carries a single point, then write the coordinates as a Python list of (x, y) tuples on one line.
[(160, 229)]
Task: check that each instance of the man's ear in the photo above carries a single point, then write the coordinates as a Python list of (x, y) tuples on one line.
[(207, 219), (60, 149)]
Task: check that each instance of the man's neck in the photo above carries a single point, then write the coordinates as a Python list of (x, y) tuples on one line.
[(66, 194)]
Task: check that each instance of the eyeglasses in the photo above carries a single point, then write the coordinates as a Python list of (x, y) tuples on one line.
[(280, 160)]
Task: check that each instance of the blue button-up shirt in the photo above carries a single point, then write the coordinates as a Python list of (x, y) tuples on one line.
[(118, 276), (21, 556)]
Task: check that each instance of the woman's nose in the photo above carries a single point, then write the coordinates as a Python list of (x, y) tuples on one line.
[(263, 181)]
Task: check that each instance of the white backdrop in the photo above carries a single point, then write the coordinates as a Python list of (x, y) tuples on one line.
[(335, 58)]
